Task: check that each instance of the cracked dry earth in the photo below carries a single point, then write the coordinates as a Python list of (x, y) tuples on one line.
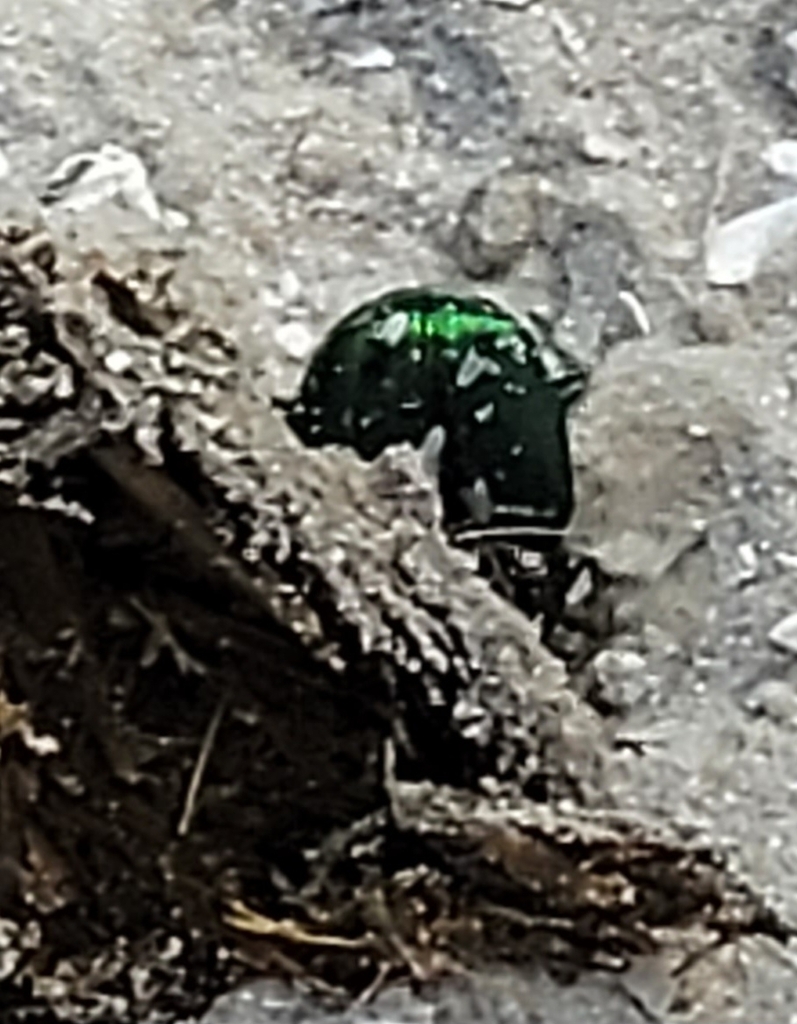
[(570, 157)]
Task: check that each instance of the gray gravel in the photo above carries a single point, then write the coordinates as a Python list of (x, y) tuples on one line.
[(572, 156), (504, 999)]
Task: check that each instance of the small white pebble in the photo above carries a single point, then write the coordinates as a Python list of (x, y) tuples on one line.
[(290, 287), (786, 560), (377, 58), (118, 361), (295, 340), (781, 157)]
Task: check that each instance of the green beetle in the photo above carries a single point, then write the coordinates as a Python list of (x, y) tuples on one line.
[(492, 387)]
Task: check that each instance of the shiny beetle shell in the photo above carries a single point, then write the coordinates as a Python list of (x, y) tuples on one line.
[(412, 360)]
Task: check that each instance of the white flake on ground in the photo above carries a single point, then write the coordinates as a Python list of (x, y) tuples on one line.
[(84, 180), (781, 157), (784, 634), (632, 303), (290, 287), (376, 58), (737, 249)]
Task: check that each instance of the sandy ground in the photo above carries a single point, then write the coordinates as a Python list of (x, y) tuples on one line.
[(571, 157)]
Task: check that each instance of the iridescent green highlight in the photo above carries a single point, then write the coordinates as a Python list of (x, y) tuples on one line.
[(454, 325)]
